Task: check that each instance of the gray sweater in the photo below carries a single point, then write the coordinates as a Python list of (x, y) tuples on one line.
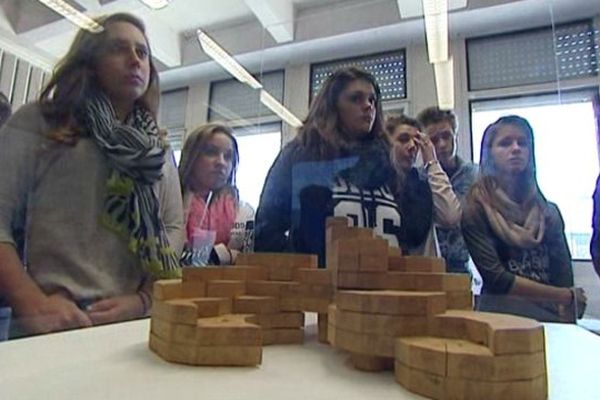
[(54, 194), (499, 263)]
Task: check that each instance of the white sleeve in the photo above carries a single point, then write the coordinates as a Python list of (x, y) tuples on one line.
[(446, 206)]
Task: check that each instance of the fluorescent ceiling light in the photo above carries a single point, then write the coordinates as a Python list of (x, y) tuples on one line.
[(444, 83), (436, 28), (217, 53), (279, 109), (156, 4), (73, 15)]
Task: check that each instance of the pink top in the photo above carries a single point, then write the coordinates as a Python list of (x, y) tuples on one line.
[(220, 217)]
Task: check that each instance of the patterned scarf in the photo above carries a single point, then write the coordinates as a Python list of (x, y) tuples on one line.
[(136, 156), (516, 224)]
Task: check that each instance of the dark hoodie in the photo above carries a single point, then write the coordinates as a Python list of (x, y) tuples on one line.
[(302, 189)]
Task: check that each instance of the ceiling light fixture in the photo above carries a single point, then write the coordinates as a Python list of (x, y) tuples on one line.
[(156, 4), (73, 15), (444, 83), (279, 109), (436, 28), (217, 53)]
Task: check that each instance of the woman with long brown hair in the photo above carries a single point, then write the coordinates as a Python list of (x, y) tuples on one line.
[(337, 165), (207, 171), (515, 236), (89, 194)]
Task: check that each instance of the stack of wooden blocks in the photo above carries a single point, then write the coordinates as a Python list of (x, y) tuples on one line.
[(387, 310), (224, 315)]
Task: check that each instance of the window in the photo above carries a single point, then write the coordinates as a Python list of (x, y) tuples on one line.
[(258, 148), (540, 56), (566, 152), (172, 118), (389, 70)]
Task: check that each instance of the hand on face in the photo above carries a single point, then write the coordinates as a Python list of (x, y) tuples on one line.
[(357, 107), (443, 138), (426, 146)]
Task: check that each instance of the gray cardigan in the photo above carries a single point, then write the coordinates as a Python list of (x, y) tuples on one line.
[(54, 194)]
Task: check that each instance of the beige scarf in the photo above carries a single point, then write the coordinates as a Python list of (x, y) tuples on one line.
[(516, 225)]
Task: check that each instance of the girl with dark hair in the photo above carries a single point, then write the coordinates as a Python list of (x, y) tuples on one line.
[(515, 236), (337, 165), (207, 170), (425, 196), (89, 195)]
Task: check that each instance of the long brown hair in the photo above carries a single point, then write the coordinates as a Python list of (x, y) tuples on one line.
[(194, 147), (322, 127), (73, 79)]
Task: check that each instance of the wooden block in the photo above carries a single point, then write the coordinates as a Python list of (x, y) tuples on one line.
[(502, 333), (395, 252), (371, 363), (296, 260), (173, 352), (321, 276), (225, 288), (361, 343), (322, 327), (255, 304), (162, 329), (378, 324), (177, 311), (291, 304), (534, 389), (227, 330), (244, 273), (281, 273), (345, 255), (281, 320), (201, 273), (336, 221), (267, 288), (424, 353), (459, 300), (416, 264), (228, 355), (213, 306), (360, 280), (317, 305), (373, 263), (167, 289), (304, 290), (391, 302), (282, 336), (466, 360), (428, 281), (420, 382), (374, 247), (193, 289)]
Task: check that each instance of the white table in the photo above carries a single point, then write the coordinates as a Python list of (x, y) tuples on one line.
[(113, 362)]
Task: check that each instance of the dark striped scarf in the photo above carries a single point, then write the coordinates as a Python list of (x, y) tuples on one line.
[(136, 155)]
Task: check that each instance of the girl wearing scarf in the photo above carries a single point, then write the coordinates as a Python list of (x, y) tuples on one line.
[(90, 207), (211, 201), (515, 236)]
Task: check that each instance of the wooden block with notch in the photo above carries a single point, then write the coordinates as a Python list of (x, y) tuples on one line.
[(176, 311), (227, 330), (361, 343), (213, 306)]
